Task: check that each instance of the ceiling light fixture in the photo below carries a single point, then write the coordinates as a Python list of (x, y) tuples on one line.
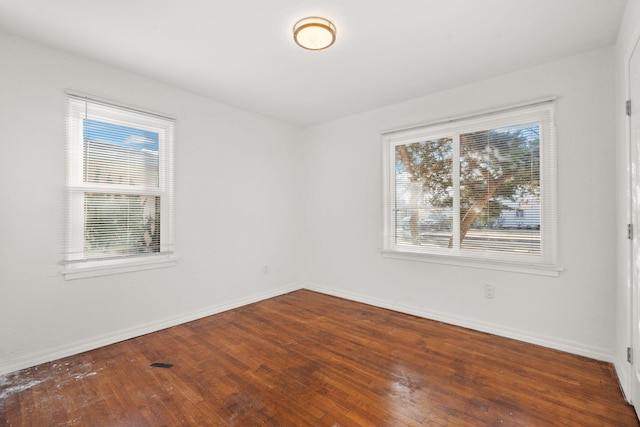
[(314, 33)]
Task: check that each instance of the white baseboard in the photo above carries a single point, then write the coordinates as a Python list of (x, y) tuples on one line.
[(623, 377), (35, 359), (525, 336), (82, 346)]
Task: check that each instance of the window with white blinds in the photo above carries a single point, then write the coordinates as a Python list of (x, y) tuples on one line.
[(119, 189), (480, 189)]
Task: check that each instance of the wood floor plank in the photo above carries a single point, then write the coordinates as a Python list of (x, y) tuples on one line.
[(307, 359)]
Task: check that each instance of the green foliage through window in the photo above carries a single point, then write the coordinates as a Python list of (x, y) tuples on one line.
[(499, 172)]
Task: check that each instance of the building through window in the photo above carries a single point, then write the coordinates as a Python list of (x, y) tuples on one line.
[(481, 187), (119, 188)]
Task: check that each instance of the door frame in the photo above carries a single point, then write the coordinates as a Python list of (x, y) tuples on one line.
[(634, 242)]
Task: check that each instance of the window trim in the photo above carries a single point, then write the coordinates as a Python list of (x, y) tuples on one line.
[(542, 110), (74, 264)]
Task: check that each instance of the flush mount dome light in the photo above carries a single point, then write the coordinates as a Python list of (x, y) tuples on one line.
[(314, 33)]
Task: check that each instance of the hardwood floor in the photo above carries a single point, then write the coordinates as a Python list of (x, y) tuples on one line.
[(307, 359)]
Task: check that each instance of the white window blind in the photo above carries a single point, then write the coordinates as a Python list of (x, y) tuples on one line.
[(479, 188), (119, 188)]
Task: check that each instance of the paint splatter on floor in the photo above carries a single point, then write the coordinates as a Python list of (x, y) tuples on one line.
[(26, 379)]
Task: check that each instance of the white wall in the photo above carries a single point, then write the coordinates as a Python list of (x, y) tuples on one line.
[(237, 208), (627, 37), (343, 214), (241, 203)]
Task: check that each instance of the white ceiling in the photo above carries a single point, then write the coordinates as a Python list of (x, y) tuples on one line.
[(241, 52)]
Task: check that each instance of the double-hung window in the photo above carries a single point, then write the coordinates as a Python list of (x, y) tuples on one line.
[(477, 191), (119, 189)]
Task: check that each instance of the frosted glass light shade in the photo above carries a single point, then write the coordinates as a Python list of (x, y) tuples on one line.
[(314, 33)]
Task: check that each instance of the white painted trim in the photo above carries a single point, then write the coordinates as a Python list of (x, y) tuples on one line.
[(525, 336), (78, 271), (82, 346), (546, 262), (136, 331), (98, 100), (623, 378), (486, 264), (630, 388), (472, 115)]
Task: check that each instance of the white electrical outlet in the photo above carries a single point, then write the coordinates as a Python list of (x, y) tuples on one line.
[(489, 291), (265, 269)]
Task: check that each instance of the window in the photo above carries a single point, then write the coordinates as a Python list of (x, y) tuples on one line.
[(119, 189), (479, 191)]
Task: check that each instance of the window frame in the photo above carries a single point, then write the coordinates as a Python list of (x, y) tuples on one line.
[(75, 264), (542, 112)]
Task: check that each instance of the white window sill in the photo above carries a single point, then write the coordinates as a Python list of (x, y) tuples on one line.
[(81, 270), (490, 264)]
